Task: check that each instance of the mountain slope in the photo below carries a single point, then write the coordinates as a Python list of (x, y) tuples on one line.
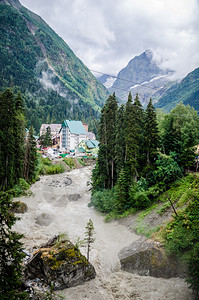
[(187, 91), (56, 84), (142, 75)]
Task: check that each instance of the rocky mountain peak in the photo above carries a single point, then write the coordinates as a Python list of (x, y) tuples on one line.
[(142, 75)]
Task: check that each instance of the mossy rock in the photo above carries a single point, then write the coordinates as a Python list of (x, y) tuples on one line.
[(19, 207), (60, 264)]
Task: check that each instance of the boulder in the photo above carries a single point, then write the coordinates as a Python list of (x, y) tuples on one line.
[(19, 207), (44, 219), (74, 197), (60, 264), (147, 257)]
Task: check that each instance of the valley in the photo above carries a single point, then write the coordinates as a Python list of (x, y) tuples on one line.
[(59, 204)]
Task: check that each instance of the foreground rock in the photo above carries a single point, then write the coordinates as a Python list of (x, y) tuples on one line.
[(60, 264), (148, 258)]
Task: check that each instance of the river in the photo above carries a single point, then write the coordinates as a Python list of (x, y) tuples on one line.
[(59, 204)]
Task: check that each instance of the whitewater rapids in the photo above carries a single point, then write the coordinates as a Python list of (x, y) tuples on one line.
[(59, 204)]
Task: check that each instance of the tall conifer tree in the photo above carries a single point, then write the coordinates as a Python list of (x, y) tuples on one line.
[(111, 113), (120, 140), (19, 136), (134, 116), (151, 135), (7, 139), (30, 157), (106, 166), (101, 172), (11, 254)]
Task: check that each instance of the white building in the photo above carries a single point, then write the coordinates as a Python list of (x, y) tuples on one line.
[(71, 134), (55, 128)]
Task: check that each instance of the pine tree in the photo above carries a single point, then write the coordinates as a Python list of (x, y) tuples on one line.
[(111, 112), (134, 117), (122, 190), (89, 236), (19, 136), (48, 138), (151, 139), (101, 171), (120, 140), (30, 159), (128, 125), (7, 139), (11, 253), (106, 155)]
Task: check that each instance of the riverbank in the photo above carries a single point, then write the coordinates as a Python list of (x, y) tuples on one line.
[(59, 204)]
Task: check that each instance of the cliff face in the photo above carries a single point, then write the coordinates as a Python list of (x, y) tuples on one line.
[(55, 83)]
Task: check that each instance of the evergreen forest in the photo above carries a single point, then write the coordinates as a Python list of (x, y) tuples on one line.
[(18, 161), (144, 156)]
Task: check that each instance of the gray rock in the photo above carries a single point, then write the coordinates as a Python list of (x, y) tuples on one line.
[(74, 197), (148, 258), (44, 219), (67, 181), (59, 264)]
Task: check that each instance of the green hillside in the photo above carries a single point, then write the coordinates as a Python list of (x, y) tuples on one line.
[(55, 84), (187, 91)]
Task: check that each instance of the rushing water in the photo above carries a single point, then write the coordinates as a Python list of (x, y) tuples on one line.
[(59, 204)]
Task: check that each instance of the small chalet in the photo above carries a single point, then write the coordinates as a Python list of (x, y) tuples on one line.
[(89, 146), (71, 134)]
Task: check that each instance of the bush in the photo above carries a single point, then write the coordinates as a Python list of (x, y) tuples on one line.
[(141, 200), (20, 188), (167, 170), (193, 272), (46, 161), (70, 162), (104, 200), (54, 169), (182, 238), (81, 161)]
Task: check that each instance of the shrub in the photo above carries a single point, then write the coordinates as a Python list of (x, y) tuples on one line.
[(193, 271), (20, 188), (104, 200), (141, 200), (46, 161), (70, 162), (54, 169), (167, 170), (49, 169), (81, 161), (182, 238)]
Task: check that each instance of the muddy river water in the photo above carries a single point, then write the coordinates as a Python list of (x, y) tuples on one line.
[(59, 204)]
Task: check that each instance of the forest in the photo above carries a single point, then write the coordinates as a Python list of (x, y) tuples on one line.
[(18, 161), (143, 156)]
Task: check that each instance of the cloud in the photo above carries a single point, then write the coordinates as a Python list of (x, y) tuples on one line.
[(107, 34)]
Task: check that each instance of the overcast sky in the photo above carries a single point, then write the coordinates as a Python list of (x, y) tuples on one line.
[(107, 34)]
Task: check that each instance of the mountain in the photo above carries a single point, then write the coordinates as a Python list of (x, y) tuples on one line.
[(142, 75), (55, 84), (187, 91)]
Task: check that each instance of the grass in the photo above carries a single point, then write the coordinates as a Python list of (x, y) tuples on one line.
[(47, 168), (70, 162)]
